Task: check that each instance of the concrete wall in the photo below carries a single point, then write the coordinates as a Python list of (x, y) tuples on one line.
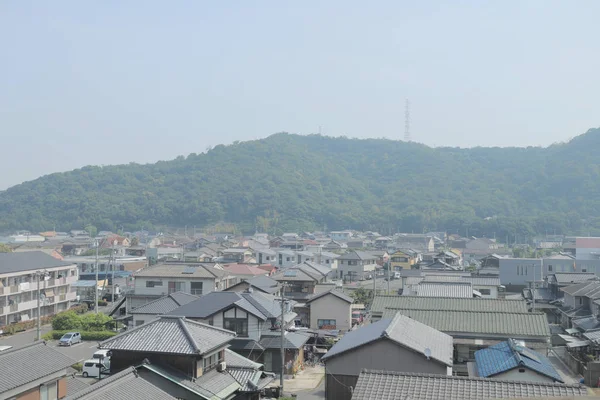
[(493, 291), (208, 285), (331, 307), (527, 376)]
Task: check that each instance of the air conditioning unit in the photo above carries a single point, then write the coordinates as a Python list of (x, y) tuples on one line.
[(221, 366)]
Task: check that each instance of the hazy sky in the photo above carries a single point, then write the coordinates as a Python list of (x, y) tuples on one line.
[(106, 82)]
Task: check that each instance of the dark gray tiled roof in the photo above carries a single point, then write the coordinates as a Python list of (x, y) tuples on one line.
[(300, 275), (324, 270), (385, 385), (75, 385), (28, 261), (247, 378), (264, 283), (403, 330), (184, 337), (332, 292), (291, 340), (125, 385), (233, 359), (22, 365), (213, 302), (245, 344), (165, 304), (177, 270), (380, 303), (589, 289), (444, 289), (481, 322), (357, 255), (569, 278)]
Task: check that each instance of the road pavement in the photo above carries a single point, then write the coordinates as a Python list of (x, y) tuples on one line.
[(78, 352)]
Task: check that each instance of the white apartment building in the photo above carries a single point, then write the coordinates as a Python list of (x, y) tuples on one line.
[(19, 274)]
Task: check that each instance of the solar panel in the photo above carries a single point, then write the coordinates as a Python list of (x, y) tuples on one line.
[(290, 273), (189, 270)]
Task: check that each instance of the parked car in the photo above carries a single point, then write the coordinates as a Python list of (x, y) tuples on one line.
[(70, 339), (104, 356), (93, 368)]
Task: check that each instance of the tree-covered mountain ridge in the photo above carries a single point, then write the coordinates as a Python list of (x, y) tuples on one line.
[(289, 182)]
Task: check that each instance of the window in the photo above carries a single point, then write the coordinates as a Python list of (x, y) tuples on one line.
[(287, 259), (175, 287), (583, 270), (549, 268), (196, 288), (49, 391), (211, 321), (238, 325), (153, 283), (326, 261), (485, 292), (139, 322), (326, 324), (211, 361)]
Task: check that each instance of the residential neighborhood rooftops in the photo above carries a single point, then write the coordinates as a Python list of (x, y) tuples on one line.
[(445, 289), (386, 385), (380, 303), (28, 261), (165, 304), (264, 283), (518, 325), (124, 385), (357, 255), (191, 270), (509, 355), (291, 340), (22, 365), (590, 289), (403, 330), (244, 269), (184, 337), (569, 278)]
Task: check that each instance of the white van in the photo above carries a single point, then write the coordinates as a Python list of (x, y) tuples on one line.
[(104, 356), (93, 367)]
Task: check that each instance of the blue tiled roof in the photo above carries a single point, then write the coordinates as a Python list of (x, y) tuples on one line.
[(509, 355)]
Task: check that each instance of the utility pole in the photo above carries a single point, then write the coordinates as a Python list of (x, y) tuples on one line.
[(389, 265), (113, 271), (96, 284), (282, 338)]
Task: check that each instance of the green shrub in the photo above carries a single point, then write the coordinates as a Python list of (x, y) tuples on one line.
[(85, 335), (102, 303), (19, 327), (80, 309), (66, 320), (77, 366)]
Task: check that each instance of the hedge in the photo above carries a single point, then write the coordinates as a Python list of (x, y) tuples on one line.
[(90, 335), (24, 325)]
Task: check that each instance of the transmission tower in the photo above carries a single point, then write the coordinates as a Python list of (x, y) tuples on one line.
[(407, 121)]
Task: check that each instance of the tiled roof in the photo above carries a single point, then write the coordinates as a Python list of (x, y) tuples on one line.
[(357, 255), (442, 303), (483, 280), (385, 385), (213, 302), (586, 323), (589, 289), (509, 355), (291, 340), (541, 294), (567, 278), (333, 292), (212, 385), (245, 344), (481, 322), (244, 269), (125, 385), (184, 337), (264, 283), (233, 359), (298, 275), (75, 384), (28, 261), (323, 270), (444, 289), (165, 304), (402, 330), (192, 270), (22, 365), (594, 336)]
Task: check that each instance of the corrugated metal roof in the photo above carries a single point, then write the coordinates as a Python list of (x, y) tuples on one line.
[(483, 280), (493, 323), (25, 364), (380, 303), (386, 385), (125, 385), (508, 355), (566, 278), (184, 337), (213, 302), (28, 261), (444, 289)]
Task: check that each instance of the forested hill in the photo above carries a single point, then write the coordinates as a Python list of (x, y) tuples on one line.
[(291, 183)]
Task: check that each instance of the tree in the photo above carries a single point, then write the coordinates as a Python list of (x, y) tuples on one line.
[(66, 321), (92, 230), (95, 322), (135, 241), (4, 248)]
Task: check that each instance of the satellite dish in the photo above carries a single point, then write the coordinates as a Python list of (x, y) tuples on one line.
[(427, 353)]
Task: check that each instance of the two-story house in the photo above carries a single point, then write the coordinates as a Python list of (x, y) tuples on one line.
[(402, 259), (343, 236), (299, 282), (27, 276), (579, 301), (356, 265), (265, 256), (162, 279), (254, 317), (186, 359)]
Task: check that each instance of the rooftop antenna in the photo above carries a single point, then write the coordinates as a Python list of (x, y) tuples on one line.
[(407, 137)]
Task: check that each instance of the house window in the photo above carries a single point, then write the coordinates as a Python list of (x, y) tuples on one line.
[(583, 270), (175, 287), (549, 268), (196, 288), (287, 259), (326, 261), (326, 324), (485, 292), (49, 391), (212, 361), (153, 283), (211, 321), (238, 325)]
